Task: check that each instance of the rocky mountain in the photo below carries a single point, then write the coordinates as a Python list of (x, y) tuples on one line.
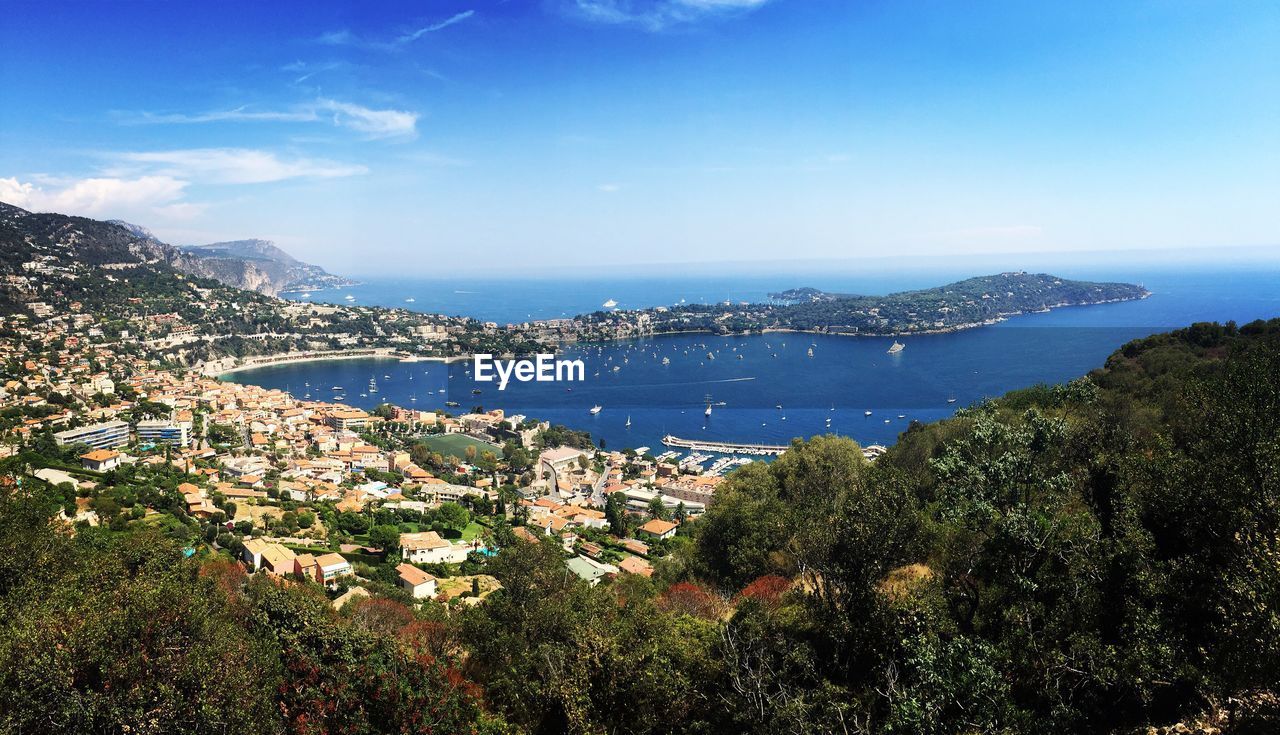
[(256, 265), (262, 258)]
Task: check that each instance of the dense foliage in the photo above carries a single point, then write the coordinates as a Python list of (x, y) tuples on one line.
[(1093, 557)]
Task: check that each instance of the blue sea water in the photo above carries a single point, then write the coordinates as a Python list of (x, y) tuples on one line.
[(830, 391)]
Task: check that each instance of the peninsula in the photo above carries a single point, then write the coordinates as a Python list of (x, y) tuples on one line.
[(973, 302)]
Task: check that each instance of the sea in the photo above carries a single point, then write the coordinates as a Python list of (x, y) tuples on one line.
[(763, 389)]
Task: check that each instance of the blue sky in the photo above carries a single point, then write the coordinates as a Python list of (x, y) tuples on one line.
[(433, 137)]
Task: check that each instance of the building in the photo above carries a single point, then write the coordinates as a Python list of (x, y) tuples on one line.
[(108, 435), (589, 570), (659, 529), (251, 552), (424, 548), (101, 460), (636, 565), (415, 581), (332, 567), (164, 432), (553, 462), (353, 419)]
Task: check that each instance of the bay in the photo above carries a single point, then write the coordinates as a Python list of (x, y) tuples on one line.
[(748, 377)]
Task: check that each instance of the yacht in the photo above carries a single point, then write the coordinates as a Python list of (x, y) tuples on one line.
[(666, 361), (707, 413), (896, 347), (951, 400), (810, 352), (409, 300), (866, 413), (596, 409), (610, 304)]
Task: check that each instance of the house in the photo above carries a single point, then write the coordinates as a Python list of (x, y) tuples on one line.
[(590, 571), (278, 560), (252, 553), (100, 460), (332, 567), (424, 548), (636, 565), (415, 581), (658, 529)]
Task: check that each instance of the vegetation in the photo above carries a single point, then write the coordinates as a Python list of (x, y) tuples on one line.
[(1093, 557)]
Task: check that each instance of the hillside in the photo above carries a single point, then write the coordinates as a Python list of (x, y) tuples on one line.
[(1096, 557), (283, 272), (256, 265), (138, 291), (961, 305)]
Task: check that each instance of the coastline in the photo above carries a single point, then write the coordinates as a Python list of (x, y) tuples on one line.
[(220, 368)]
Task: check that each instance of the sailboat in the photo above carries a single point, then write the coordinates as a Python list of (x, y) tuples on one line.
[(628, 421), (373, 385), (707, 413)]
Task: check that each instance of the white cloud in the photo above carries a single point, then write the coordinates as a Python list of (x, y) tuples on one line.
[(373, 123), (235, 165), (102, 196), (657, 15)]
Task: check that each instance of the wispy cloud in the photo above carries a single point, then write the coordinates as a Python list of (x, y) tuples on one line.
[(433, 27), (344, 37), (372, 123), (234, 165), (610, 188), (657, 15)]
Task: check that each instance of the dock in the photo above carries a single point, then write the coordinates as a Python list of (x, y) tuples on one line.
[(702, 445), (871, 451)]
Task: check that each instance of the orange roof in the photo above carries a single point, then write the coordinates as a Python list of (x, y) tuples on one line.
[(100, 455), (658, 527), (413, 575)]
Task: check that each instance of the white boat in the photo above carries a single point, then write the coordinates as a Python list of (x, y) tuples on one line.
[(349, 297), (897, 347), (666, 361), (708, 411), (610, 304), (810, 352), (409, 300), (866, 413), (306, 295), (628, 421), (951, 400), (596, 409)]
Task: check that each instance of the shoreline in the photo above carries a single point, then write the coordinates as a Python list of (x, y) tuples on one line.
[(216, 370)]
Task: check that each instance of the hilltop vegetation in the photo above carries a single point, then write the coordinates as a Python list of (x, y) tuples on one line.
[(1092, 557), (968, 303)]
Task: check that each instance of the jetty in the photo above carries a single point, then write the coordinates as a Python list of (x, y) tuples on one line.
[(871, 451), (702, 445)]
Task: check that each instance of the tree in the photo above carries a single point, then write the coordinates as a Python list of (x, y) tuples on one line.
[(615, 512), (385, 537), (453, 517), (658, 509)]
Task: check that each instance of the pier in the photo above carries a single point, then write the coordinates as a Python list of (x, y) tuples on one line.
[(871, 451), (703, 445)]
